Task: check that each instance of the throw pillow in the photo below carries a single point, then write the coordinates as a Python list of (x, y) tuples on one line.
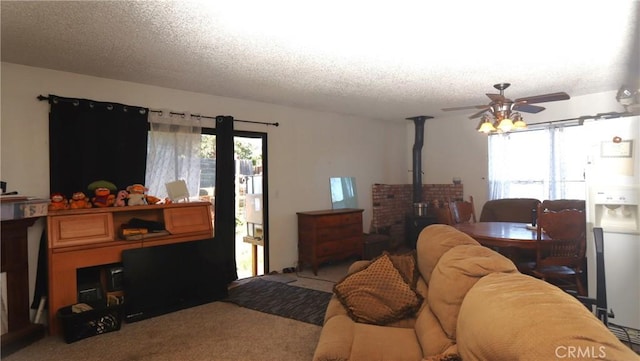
[(407, 266), (378, 294)]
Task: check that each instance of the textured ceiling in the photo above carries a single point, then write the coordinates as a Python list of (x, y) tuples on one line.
[(377, 59)]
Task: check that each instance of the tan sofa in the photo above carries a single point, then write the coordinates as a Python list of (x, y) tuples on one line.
[(475, 306)]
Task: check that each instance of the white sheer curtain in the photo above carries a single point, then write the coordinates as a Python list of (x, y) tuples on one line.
[(567, 180), (543, 164), (173, 152)]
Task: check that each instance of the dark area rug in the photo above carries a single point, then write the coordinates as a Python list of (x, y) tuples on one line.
[(276, 298)]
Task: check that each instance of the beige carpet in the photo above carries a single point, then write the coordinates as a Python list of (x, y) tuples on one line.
[(215, 331)]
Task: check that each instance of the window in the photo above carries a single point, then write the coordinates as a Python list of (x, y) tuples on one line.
[(543, 164)]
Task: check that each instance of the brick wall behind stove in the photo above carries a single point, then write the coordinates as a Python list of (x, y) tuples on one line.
[(393, 202)]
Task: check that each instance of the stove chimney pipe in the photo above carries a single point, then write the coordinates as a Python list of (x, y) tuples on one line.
[(417, 156)]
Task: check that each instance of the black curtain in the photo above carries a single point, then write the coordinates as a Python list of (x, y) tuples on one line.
[(90, 141), (225, 221)]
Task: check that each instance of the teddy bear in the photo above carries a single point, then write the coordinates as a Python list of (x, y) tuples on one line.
[(79, 201), (136, 195), (121, 198), (103, 197), (58, 202)]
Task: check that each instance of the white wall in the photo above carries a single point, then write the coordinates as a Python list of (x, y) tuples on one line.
[(304, 151)]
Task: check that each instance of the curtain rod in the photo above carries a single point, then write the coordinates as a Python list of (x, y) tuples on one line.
[(579, 121), (599, 116), (42, 97)]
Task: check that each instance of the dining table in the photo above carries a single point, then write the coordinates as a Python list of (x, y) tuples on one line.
[(507, 237)]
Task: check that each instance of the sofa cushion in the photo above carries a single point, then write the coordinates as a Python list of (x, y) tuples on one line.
[(518, 317), (378, 294), (376, 343), (342, 339), (432, 338), (456, 272), (433, 242)]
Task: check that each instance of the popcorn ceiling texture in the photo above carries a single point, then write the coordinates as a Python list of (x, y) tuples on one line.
[(381, 60)]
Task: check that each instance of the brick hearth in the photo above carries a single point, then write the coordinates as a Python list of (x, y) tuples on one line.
[(393, 202)]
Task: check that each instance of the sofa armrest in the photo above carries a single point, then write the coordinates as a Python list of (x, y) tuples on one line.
[(335, 340), (334, 308)]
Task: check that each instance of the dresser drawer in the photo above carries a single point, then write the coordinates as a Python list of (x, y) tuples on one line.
[(338, 232), (76, 230), (339, 219), (343, 247), (329, 248)]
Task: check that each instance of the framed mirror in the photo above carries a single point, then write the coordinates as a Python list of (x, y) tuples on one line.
[(343, 192)]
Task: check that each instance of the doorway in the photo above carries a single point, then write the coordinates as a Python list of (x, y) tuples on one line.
[(251, 233)]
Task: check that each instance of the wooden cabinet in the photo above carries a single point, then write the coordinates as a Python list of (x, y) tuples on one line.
[(89, 237), (329, 235)]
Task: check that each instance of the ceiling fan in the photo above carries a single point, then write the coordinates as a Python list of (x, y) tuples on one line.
[(502, 106)]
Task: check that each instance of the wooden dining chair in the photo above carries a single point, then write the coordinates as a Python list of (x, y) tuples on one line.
[(443, 214), (560, 258), (560, 204), (463, 211)]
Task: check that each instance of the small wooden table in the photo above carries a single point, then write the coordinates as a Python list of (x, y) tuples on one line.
[(509, 236)]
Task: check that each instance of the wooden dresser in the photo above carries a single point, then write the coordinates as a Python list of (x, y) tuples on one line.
[(328, 235), (82, 238)]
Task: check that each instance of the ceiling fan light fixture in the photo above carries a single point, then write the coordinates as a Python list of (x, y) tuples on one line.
[(505, 125), (486, 125), (519, 125), (518, 122), (504, 114)]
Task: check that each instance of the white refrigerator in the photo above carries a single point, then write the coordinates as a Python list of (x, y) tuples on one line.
[(613, 203)]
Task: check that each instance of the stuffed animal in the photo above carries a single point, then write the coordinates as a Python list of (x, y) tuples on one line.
[(58, 202), (79, 201), (103, 197), (152, 199), (121, 198), (101, 184), (136, 195)]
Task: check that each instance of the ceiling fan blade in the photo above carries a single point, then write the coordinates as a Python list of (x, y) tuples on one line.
[(467, 107), (475, 115), (527, 108), (552, 97), (496, 97)]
